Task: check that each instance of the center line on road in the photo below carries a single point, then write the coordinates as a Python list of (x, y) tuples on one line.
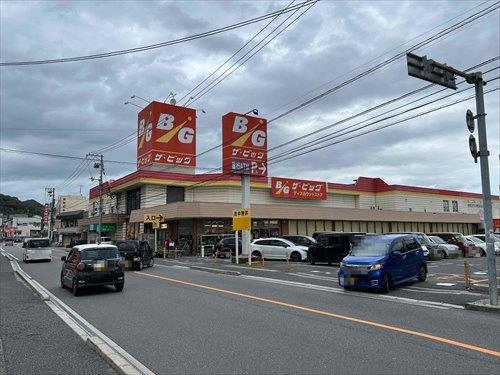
[(428, 336)]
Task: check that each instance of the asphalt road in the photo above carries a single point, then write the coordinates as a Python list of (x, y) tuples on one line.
[(33, 340), (177, 320)]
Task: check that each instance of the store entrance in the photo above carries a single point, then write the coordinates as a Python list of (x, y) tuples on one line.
[(265, 228)]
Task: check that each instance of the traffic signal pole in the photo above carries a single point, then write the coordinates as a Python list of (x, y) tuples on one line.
[(444, 75), (485, 182)]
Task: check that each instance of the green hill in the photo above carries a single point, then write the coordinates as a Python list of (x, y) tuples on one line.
[(12, 205)]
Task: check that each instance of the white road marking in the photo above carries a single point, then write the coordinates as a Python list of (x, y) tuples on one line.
[(314, 271), (172, 266), (439, 291), (446, 284), (5, 251), (316, 277), (338, 290), (480, 273)]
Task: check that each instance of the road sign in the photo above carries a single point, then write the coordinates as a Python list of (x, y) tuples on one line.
[(469, 120), (244, 140), (429, 70), (152, 218), (242, 219)]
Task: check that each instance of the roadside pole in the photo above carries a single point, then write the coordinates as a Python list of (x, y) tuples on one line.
[(99, 230), (444, 75), (236, 246), (485, 182), (245, 203)]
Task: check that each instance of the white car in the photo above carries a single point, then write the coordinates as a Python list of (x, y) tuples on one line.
[(448, 250), (278, 248), (479, 242), (36, 249)]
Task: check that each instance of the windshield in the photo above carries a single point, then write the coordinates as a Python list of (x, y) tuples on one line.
[(437, 239), (33, 244), (423, 239), (300, 241), (475, 239), (126, 246), (371, 246), (102, 253), (460, 237)]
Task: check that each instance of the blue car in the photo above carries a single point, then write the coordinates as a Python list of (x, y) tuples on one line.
[(382, 261)]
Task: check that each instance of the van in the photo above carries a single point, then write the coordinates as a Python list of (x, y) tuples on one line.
[(331, 247)]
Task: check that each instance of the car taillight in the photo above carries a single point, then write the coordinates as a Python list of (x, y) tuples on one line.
[(80, 266)]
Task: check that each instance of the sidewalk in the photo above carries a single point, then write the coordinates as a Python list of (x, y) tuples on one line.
[(34, 340)]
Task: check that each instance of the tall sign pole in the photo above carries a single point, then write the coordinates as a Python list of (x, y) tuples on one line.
[(441, 74), (100, 165)]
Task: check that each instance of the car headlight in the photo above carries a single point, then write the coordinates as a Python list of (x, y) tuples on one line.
[(375, 267), (342, 264)]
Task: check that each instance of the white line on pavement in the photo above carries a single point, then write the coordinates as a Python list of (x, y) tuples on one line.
[(446, 284), (316, 277), (408, 301), (439, 291)]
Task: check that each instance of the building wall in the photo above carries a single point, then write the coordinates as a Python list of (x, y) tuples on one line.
[(26, 226), (153, 195), (67, 203)]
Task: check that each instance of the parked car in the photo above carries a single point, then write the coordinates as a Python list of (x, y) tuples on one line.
[(331, 247), (381, 262), (424, 240), (278, 248), (480, 245), (36, 249), (496, 240), (9, 241), (92, 265), (227, 246), (457, 239), (300, 240), (448, 250), (137, 252)]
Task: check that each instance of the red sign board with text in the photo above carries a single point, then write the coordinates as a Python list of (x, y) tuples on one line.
[(298, 189), (244, 140), (166, 134), (46, 214)]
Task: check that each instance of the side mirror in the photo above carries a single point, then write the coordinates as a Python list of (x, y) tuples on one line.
[(396, 254), (63, 259)]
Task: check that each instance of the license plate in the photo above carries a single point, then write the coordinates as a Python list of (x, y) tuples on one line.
[(100, 266), (350, 280)]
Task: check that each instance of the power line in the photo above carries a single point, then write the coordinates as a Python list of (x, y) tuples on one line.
[(215, 82), (391, 60), (234, 54), (59, 156), (157, 45)]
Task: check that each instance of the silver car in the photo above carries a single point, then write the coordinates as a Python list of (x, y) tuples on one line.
[(495, 237), (448, 250), (36, 249)]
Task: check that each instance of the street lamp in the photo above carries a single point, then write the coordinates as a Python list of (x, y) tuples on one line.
[(254, 111)]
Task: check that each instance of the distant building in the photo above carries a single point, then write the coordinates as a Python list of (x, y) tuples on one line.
[(25, 226), (68, 230), (67, 203)]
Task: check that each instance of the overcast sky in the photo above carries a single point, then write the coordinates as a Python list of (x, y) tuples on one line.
[(332, 42)]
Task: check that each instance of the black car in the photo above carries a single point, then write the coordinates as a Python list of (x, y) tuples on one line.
[(137, 252), (92, 265), (226, 245), (332, 247), (300, 240)]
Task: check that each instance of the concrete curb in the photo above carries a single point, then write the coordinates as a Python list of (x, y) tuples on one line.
[(31, 283), (115, 360), (482, 305), (215, 270)]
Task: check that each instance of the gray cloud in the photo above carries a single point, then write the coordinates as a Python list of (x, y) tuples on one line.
[(328, 45)]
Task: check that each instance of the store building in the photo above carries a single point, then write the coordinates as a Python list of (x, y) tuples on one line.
[(24, 226), (198, 208), (68, 229)]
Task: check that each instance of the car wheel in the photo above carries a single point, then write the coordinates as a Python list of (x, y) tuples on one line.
[(62, 281), (295, 257), (386, 284), (138, 267), (311, 260), (119, 287), (422, 273), (483, 253), (444, 254), (256, 254), (151, 262), (75, 290)]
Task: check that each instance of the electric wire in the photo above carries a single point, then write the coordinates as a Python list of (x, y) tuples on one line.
[(157, 45), (226, 73), (235, 53)]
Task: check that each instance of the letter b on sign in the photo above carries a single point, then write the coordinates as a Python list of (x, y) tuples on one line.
[(240, 124)]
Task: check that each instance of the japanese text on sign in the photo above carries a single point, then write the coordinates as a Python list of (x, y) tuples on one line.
[(298, 189)]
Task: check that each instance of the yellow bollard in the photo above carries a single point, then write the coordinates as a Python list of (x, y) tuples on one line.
[(467, 275)]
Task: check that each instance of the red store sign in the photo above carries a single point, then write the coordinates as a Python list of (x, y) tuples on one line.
[(298, 189)]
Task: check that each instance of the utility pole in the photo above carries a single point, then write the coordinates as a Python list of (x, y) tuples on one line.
[(441, 74), (100, 165), (51, 192)]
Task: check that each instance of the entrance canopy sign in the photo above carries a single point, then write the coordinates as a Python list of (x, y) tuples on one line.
[(298, 189)]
